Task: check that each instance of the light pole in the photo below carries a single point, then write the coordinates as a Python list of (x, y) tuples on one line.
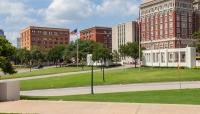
[(179, 59), (92, 77), (77, 46), (92, 80)]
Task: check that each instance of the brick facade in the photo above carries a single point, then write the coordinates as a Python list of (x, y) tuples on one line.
[(166, 24), (101, 35), (44, 37)]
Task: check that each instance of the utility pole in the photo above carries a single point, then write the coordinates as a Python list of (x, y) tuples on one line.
[(77, 52)]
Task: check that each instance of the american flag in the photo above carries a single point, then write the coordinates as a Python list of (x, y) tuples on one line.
[(74, 32)]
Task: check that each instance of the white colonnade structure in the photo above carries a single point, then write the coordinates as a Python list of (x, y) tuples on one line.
[(178, 57)]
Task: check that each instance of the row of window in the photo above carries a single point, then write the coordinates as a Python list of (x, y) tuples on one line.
[(34, 39), (45, 43), (48, 33), (166, 6)]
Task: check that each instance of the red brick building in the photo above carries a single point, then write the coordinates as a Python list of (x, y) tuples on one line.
[(166, 23), (98, 34), (44, 37)]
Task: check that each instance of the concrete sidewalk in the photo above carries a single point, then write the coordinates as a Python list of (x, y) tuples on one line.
[(113, 88), (62, 107)]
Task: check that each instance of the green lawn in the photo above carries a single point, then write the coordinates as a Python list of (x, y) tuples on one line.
[(190, 96), (125, 76), (45, 72)]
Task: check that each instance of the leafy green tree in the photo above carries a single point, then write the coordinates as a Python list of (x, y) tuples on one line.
[(102, 54), (196, 42), (37, 55), (115, 56), (56, 54), (130, 50), (6, 52)]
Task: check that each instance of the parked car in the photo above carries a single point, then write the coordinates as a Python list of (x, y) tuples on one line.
[(39, 66)]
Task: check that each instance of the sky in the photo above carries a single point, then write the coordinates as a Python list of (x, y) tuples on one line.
[(18, 14)]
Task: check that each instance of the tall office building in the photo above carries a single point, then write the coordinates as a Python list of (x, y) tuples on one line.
[(166, 23), (124, 33), (18, 43), (101, 35), (44, 37), (2, 33)]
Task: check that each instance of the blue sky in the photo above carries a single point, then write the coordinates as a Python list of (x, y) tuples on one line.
[(18, 14)]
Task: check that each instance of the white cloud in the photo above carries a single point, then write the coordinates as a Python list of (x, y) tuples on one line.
[(118, 8), (65, 11), (15, 15), (12, 37)]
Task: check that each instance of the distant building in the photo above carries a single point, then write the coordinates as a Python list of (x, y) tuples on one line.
[(2, 33), (124, 33), (166, 23), (101, 35), (196, 15), (44, 37), (18, 43)]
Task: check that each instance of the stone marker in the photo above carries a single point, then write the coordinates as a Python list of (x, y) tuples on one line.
[(9, 91)]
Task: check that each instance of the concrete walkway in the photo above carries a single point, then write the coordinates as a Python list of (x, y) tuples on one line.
[(60, 74), (113, 88), (62, 107)]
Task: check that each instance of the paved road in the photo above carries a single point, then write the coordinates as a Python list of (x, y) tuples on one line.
[(60, 74), (62, 107), (113, 88), (27, 70)]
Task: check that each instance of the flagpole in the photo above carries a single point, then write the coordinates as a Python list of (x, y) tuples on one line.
[(77, 50)]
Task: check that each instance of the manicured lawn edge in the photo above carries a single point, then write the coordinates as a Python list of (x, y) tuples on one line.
[(184, 96), (123, 76)]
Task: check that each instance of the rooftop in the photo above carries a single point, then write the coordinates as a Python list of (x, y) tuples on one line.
[(45, 28), (97, 27)]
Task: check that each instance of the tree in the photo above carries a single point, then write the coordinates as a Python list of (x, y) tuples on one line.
[(115, 56), (130, 50), (26, 58), (6, 52), (56, 54), (37, 55), (102, 54), (196, 42)]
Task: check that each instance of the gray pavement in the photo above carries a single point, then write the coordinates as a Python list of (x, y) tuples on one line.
[(113, 88), (62, 107), (27, 70)]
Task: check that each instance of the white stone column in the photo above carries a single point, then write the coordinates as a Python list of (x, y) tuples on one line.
[(190, 57), (166, 57)]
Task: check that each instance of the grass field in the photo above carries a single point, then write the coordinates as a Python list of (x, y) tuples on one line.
[(125, 76), (190, 96), (44, 72)]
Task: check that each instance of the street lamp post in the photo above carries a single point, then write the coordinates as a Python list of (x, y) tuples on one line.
[(77, 52), (92, 80)]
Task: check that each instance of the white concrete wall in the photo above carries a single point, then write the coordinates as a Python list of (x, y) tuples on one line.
[(170, 57), (9, 91), (198, 63)]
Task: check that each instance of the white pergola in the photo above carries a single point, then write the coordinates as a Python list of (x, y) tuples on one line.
[(182, 57)]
